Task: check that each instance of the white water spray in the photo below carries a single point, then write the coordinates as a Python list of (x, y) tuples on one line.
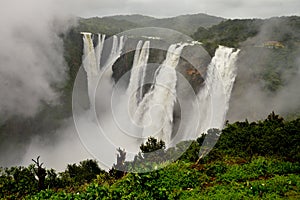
[(90, 64), (92, 57), (99, 49), (155, 112), (138, 71), (214, 97), (116, 50)]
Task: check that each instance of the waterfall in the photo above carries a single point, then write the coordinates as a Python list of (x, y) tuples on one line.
[(99, 48), (89, 61), (90, 64), (214, 97), (155, 112), (138, 71), (116, 50), (92, 57), (143, 62)]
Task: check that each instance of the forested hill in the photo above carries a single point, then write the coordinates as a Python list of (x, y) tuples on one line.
[(233, 33), (136, 18), (107, 25), (187, 24)]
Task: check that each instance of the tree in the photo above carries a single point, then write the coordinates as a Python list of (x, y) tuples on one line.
[(152, 144), (86, 171), (153, 150), (119, 169), (40, 173)]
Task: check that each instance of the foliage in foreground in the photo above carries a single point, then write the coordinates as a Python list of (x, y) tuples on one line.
[(261, 178), (250, 160)]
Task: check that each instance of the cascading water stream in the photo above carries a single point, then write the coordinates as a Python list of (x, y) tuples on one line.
[(154, 111), (214, 97), (116, 50), (99, 49), (91, 60), (90, 64), (143, 60), (136, 82), (157, 105)]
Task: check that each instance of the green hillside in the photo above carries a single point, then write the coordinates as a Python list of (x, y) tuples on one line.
[(137, 19), (108, 26), (258, 160), (187, 24), (233, 33)]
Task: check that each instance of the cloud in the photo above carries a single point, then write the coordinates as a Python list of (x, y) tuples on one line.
[(63, 147), (163, 8), (31, 55)]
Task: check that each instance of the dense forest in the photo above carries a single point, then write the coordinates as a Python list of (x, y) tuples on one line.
[(251, 160)]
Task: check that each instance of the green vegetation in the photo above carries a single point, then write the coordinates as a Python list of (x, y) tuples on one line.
[(234, 33), (105, 25), (269, 50), (186, 24), (137, 19), (258, 160), (227, 33)]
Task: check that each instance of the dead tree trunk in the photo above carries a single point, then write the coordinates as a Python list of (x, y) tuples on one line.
[(40, 173)]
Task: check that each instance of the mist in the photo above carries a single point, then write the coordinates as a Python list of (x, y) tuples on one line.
[(32, 73), (251, 99), (64, 147), (31, 56)]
